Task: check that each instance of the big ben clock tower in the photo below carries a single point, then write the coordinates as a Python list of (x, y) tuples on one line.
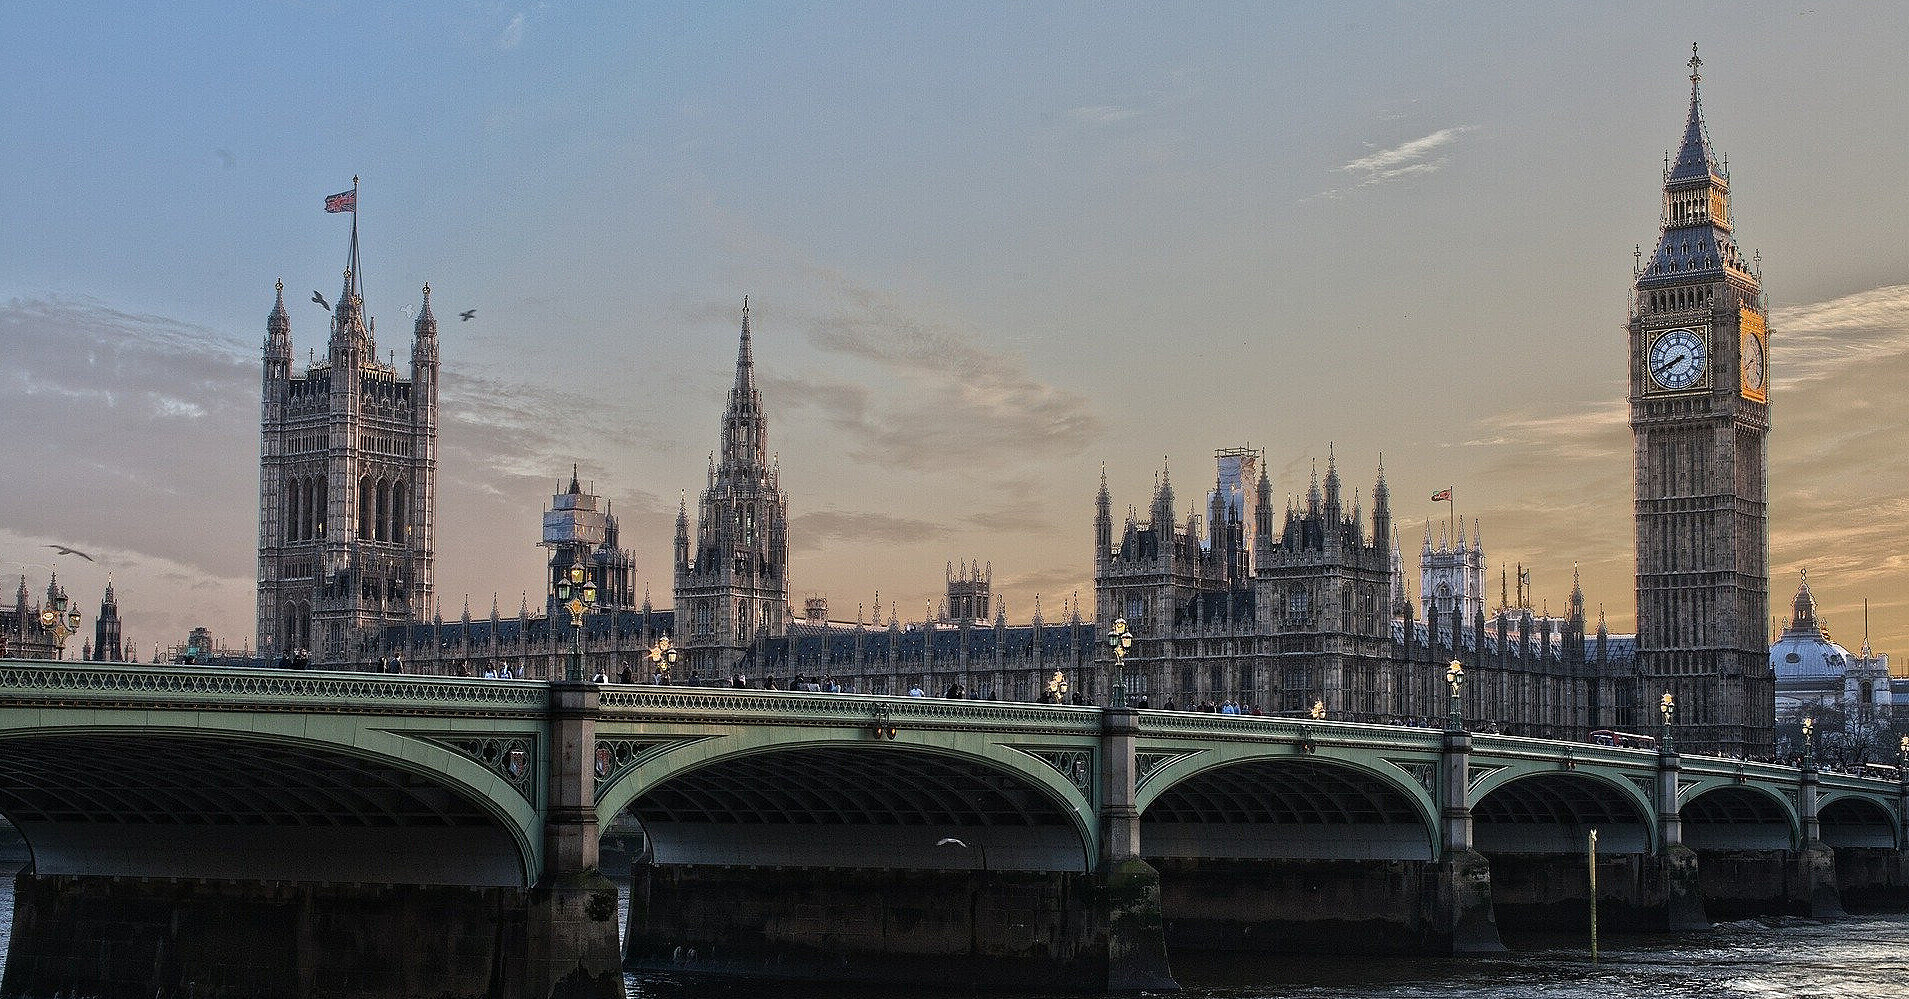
[(1699, 384)]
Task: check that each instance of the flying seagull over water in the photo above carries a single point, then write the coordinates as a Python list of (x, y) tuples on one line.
[(467, 315), (63, 550), (320, 299)]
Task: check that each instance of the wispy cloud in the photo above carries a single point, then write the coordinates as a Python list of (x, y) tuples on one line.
[(944, 399), (1597, 432), (1817, 340), (513, 32), (1412, 158), (1179, 86), (839, 526)]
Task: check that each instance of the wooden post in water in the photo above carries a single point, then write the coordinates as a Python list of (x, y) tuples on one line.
[(1591, 860)]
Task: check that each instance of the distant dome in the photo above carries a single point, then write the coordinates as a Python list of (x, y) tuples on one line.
[(1803, 651)]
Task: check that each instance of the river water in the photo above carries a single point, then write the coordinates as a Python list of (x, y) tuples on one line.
[(1864, 957)]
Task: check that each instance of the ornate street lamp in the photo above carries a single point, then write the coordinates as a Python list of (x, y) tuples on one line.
[(1120, 640), (1318, 711), (1809, 743), (1902, 760), (62, 620), (1668, 706), (1455, 675), (663, 656), (577, 593), (1057, 686)]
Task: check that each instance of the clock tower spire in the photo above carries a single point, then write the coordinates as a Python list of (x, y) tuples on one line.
[(1699, 418)]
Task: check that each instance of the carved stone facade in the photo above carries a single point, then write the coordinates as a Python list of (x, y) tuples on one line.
[(732, 587), (1315, 615), (347, 483)]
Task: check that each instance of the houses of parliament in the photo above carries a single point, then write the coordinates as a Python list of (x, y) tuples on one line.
[(1286, 609)]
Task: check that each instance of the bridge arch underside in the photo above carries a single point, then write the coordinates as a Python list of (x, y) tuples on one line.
[(1737, 818), (853, 807), (1554, 813), (1285, 809), (177, 806), (1851, 821)]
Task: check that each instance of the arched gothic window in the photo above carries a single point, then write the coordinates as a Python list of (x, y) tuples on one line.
[(365, 499)]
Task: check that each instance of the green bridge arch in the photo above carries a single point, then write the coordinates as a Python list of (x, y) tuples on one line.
[(894, 824), (1364, 772), (1583, 794)]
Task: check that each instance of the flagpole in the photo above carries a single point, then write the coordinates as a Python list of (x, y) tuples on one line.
[(357, 279)]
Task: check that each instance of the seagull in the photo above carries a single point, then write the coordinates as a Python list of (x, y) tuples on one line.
[(467, 315), (320, 299), (63, 550)]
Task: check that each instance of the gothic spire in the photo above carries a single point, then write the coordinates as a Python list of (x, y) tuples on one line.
[(1696, 237), (1803, 610), (1162, 512), (278, 327), (1332, 482), (426, 326), (745, 357), (1695, 158), (745, 431)]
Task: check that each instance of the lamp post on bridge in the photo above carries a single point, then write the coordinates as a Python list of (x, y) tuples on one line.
[(1455, 675), (1318, 711), (1057, 687), (1809, 743), (1668, 706), (663, 657), (62, 619), (578, 594), (1120, 640)]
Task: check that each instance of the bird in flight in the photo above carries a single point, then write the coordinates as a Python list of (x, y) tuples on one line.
[(320, 299), (63, 550), (467, 315)]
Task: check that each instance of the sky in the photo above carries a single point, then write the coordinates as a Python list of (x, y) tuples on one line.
[(988, 247)]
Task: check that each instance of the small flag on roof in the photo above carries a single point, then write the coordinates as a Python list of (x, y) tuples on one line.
[(1442, 494), (346, 201)]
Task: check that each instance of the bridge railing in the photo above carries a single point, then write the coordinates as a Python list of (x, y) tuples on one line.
[(1205, 725), (778, 706), (40, 681)]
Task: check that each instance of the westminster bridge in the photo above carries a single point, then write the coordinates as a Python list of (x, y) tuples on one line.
[(238, 833)]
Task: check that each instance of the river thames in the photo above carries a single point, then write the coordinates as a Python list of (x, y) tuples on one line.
[(1863, 957)]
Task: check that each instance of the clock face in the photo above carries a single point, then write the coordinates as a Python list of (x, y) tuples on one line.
[(1752, 349), (1677, 359)]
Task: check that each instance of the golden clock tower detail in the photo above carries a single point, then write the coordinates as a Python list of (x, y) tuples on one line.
[(1699, 397)]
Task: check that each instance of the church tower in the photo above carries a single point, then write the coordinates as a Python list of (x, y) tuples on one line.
[(1699, 352), (734, 594), (347, 479), (107, 644)]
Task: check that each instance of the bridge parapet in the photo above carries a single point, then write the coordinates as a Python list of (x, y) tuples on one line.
[(300, 690), (1519, 749), (777, 707)]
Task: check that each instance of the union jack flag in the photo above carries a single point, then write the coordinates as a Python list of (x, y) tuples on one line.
[(345, 202)]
